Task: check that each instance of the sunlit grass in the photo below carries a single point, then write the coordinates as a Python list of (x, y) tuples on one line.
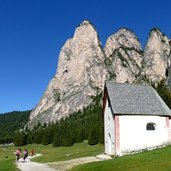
[(49, 153), (7, 158), (156, 160), (52, 154)]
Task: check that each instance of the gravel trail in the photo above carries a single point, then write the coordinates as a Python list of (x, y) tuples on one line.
[(28, 165)]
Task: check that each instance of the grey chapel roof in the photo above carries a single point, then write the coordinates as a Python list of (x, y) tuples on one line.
[(135, 99)]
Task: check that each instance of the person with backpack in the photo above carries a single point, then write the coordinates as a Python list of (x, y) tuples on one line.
[(25, 153)]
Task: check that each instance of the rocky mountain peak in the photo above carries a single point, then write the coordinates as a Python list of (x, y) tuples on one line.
[(86, 33), (80, 76), (83, 67), (158, 39), (156, 56), (123, 56), (122, 38)]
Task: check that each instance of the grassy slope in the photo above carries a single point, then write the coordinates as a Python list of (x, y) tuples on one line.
[(7, 164), (156, 160), (51, 154)]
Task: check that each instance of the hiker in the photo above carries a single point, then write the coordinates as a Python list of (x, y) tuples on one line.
[(25, 152), (18, 153), (32, 152)]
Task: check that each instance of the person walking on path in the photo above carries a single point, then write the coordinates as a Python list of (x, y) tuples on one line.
[(25, 153), (28, 165), (18, 153), (32, 152)]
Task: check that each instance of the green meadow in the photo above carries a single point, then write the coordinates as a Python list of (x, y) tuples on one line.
[(52, 154), (156, 160), (7, 158), (49, 153)]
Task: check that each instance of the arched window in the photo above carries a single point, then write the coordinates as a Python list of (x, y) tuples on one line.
[(151, 126)]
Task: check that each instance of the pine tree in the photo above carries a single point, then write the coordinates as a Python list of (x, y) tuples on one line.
[(79, 134), (20, 139), (93, 136), (164, 92), (57, 140), (38, 136), (46, 139), (68, 141)]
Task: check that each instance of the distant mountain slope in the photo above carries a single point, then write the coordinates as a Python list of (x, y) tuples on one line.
[(12, 122)]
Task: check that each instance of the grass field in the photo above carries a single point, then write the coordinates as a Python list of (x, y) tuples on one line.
[(52, 154), (7, 158), (156, 160), (49, 153)]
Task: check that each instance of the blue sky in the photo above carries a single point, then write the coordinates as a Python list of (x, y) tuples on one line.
[(32, 33)]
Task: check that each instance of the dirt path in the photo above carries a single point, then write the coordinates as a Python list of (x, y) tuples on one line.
[(67, 165), (28, 165)]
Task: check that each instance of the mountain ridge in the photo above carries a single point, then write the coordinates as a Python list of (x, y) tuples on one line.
[(84, 65)]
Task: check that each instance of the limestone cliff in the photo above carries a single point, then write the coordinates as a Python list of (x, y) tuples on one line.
[(156, 56), (124, 56), (80, 76), (84, 66), (168, 72)]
